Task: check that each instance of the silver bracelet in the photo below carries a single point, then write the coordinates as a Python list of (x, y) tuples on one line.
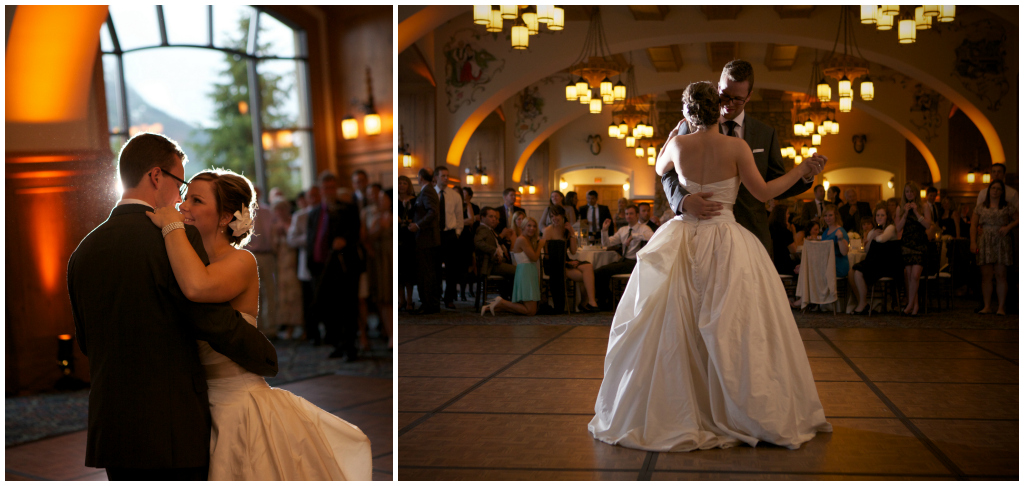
[(172, 226)]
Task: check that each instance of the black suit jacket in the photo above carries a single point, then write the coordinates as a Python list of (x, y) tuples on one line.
[(810, 212), (426, 216), (749, 211), (334, 229), (852, 222), (503, 218), (603, 212), (148, 406)]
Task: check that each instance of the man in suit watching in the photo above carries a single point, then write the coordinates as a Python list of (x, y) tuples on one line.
[(595, 214), (812, 210), (506, 212), (149, 413), (735, 87), (853, 211), (428, 241)]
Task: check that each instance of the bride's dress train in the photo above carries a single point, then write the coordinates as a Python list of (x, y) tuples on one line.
[(704, 351), (264, 433)]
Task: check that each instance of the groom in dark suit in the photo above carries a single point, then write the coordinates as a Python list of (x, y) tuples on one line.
[(149, 414), (735, 87)]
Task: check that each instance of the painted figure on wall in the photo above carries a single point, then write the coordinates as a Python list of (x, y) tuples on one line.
[(468, 68)]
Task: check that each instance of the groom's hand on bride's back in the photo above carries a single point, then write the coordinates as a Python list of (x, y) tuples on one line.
[(698, 205)]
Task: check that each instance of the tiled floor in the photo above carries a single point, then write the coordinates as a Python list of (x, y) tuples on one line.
[(363, 401), (512, 402)]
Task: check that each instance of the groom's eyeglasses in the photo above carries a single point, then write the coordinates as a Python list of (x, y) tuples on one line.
[(182, 185), (728, 100)]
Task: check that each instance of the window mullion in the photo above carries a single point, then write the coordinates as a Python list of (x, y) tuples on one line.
[(256, 108), (161, 24)]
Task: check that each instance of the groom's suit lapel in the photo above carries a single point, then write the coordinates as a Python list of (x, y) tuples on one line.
[(750, 135)]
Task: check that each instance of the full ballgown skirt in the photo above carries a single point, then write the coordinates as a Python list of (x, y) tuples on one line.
[(703, 350), (264, 433)]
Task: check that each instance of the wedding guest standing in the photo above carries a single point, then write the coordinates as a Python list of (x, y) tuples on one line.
[(993, 220), (853, 211), (913, 221), (262, 248), (289, 290), (470, 221), (428, 241), (813, 210), (379, 238), (297, 239), (449, 216), (407, 262)]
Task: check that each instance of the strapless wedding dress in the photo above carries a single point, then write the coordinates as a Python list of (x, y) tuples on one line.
[(264, 433), (703, 350)]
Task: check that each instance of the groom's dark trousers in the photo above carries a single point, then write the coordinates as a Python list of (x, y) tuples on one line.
[(148, 407)]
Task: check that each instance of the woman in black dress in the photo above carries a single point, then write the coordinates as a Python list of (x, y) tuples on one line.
[(406, 244), (913, 222), (471, 220), (882, 260)]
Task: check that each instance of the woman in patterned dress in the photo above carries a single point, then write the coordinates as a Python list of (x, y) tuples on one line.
[(990, 230)]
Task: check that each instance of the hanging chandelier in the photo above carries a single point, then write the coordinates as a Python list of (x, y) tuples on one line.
[(632, 114), (844, 67), (814, 116), (908, 19), (593, 70), (525, 20)]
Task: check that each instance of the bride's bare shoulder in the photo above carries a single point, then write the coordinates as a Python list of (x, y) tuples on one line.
[(243, 257)]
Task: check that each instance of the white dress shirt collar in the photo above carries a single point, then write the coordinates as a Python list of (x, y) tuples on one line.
[(134, 201)]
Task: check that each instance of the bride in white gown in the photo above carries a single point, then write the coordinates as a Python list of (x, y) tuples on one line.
[(259, 432), (703, 350)]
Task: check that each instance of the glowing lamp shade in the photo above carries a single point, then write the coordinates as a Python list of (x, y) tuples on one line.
[(890, 10), (608, 99), (509, 12), (584, 95), (868, 13), (640, 151), (481, 14), (619, 91), (532, 189), (947, 13), (812, 150), (924, 22), (970, 177), (630, 141), (613, 130), (824, 91), (625, 187), (907, 31), (891, 183), (827, 124), (648, 131), (845, 88), (834, 129), (986, 178), (470, 179), (825, 183), (845, 104), (924, 193), (570, 91), (595, 106), (267, 140), (563, 185), (884, 22), (650, 160), (496, 23), (284, 138), (804, 152), (522, 190), (931, 10), (867, 90), (651, 151), (798, 160), (530, 18), (638, 132), (407, 162), (815, 139), (808, 126), (349, 128), (520, 36), (798, 129), (606, 87), (559, 20), (371, 123), (581, 86), (822, 130), (641, 129), (484, 179), (623, 130), (545, 14)]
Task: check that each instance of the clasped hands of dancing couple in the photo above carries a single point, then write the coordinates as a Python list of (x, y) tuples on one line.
[(703, 350)]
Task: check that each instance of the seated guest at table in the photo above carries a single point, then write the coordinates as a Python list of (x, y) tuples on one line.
[(882, 260), (595, 214), (893, 206), (810, 232), (526, 288), (834, 232), (492, 256), (517, 223), (948, 209), (963, 220), (557, 201), (620, 213), (645, 216), (632, 237), (991, 224), (783, 244), (913, 221), (578, 271), (866, 225), (853, 211)]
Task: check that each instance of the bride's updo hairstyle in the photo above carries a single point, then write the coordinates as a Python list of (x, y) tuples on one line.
[(233, 192), (701, 104)]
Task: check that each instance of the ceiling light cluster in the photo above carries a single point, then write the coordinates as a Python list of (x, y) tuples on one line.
[(593, 69), (908, 19), (526, 20)]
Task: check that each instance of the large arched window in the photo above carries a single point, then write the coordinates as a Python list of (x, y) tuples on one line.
[(199, 74)]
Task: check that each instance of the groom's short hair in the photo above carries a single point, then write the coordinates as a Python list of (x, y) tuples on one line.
[(143, 152), (739, 71)]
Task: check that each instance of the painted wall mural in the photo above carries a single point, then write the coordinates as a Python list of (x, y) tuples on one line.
[(530, 116), (468, 68), (925, 111), (981, 62)]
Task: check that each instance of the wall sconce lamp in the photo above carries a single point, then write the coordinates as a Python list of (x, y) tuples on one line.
[(824, 183), (892, 182), (527, 186), (481, 172), (403, 149), (986, 178), (970, 177), (371, 122), (625, 186), (924, 193), (563, 185)]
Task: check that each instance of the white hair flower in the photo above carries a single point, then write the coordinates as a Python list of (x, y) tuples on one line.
[(241, 224)]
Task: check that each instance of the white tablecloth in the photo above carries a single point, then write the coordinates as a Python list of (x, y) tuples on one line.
[(598, 258), (817, 281)]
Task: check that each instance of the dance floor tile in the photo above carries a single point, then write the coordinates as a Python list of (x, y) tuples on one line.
[(408, 332), (809, 334), (378, 407), (880, 349), (850, 399), (378, 429), (498, 331), (406, 418), (938, 370), (384, 464), (452, 365), (332, 392), (527, 395), (950, 401), (565, 345), (987, 335), (434, 474), (977, 447), (740, 476), (819, 349), (426, 394), (557, 366), (589, 332), (1007, 350), (832, 369), (60, 458), (458, 440), (864, 446), (471, 345), (872, 334)]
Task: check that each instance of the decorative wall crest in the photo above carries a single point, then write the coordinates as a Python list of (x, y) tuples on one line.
[(925, 111), (529, 112), (981, 62), (468, 68)]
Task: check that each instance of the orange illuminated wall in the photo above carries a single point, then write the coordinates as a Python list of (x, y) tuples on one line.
[(51, 50)]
